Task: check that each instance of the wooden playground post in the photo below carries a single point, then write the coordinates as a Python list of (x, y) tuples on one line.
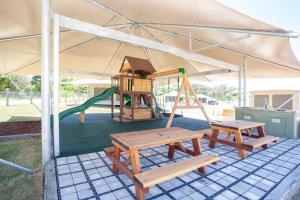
[(199, 103), (112, 105), (175, 105), (82, 117), (186, 86)]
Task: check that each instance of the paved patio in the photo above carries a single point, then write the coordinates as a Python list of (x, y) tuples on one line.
[(89, 176)]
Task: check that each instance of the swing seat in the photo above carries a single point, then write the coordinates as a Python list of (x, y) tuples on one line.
[(168, 115)]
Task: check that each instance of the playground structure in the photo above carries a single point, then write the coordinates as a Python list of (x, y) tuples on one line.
[(137, 89), (135, 82), (134, 85)]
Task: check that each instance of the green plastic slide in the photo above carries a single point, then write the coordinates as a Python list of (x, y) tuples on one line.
[(127, 99), (103, 96)]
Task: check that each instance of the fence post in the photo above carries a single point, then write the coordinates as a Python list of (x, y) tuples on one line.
[(7, 96), (31, 94)]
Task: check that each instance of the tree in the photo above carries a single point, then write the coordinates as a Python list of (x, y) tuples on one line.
[(36, 83), (5, 83), (219, 92), (15, 83), (66, 87)]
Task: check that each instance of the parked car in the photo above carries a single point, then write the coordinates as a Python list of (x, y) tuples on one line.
[(212, 102)]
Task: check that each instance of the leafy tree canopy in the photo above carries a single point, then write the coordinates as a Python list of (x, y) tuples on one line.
[(36, 83), (5, 83), (218, 92), (28, 83)]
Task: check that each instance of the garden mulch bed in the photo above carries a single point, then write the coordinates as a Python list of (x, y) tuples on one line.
[(17, 128)]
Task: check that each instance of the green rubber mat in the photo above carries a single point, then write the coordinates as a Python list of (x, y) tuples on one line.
[(77, 138)]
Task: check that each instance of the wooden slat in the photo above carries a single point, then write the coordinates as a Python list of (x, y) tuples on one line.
[(229, 143), (153, 137), (198, 102), (116, 155), (122, 168), (137, 92), (165, 73), (187, 97), (180, 147), (116, 144), (237, 124), (156, 139), (252, 135), (207, 131), (223, 129), (109, 150), (261, 141), (176, 103), (143, 132), (82, 117), (50, 185), (159, 175), (239, 140)]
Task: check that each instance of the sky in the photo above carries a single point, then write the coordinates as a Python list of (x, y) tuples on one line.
[(283, 14)]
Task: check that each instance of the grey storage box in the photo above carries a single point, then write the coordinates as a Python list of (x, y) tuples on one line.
[(278, 123)]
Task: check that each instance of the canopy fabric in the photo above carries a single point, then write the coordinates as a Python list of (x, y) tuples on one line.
[(267, 56)]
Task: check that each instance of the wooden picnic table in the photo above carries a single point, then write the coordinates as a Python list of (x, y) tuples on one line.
[(240, 128), (132, 142)]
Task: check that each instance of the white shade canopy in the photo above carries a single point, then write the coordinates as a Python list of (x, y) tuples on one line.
[(204, 27)]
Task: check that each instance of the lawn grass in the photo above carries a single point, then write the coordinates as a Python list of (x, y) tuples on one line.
[(28, 112), (15, 184), (20, 112)]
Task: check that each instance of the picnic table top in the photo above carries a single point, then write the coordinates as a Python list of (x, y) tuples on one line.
[(237, 124), (153, 137)]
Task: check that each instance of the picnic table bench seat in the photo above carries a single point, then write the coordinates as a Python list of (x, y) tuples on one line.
[(132, 142), (147, 179), (258, 142)]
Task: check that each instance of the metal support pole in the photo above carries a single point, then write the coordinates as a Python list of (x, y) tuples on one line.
[(15, 166), (45, 81), (56, 84), (245, 81), (144, 49), (277, 33), (120, 36), (7, 96), (240, 88), (31, 96), (190, 41)]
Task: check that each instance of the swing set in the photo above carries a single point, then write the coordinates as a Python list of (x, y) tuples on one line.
[(184, 89)]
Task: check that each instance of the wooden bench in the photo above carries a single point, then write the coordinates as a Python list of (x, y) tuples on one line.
[(208, 133), (155, 176), (260, 142)]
